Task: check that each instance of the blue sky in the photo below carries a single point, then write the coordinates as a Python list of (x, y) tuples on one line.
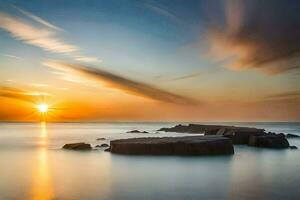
[(202, 50)]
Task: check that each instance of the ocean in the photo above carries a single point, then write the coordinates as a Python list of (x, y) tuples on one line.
[(34, 167)]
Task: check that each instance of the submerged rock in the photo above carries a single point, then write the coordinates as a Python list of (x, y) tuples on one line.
[(77, 146), (100, 139), (191, 145), (137, 131), (292, 136), (276, 141), (293, 147)]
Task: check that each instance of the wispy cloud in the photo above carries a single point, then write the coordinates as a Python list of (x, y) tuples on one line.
[(15, 93), (192, 75), (9, 56), (38, 85), (38, 19), (87, 59), (44, 35), (168, 13), (251, 38), (163, 11), (285, 95), (121, 83), (36, 36)]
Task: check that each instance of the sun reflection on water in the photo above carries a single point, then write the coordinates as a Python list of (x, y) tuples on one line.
[(43, 131), (42, 188)]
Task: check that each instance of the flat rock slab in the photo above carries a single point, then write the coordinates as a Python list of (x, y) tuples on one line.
[(190, 145)]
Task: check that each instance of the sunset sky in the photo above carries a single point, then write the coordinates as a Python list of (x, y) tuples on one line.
[(150, 60)]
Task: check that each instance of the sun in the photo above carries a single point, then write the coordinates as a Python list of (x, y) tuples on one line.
[(43, 108)]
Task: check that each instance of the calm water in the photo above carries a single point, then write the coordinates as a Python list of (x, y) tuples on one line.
[(33, 167)]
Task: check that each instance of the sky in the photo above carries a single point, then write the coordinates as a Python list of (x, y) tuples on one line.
[(150, 60)]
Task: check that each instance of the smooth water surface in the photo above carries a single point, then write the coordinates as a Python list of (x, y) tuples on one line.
[(34, 167)]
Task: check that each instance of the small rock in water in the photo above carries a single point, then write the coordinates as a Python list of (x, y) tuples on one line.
[(100, 139), (104, 145), (137, 131), (293, 147), (77, 146)]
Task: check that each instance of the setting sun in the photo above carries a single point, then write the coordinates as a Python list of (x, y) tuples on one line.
[(43, 108)]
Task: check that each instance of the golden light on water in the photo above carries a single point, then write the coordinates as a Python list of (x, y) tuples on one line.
[(43, 131), (42, 188)]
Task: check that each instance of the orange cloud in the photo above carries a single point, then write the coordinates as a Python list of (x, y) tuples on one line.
[(14, 93)]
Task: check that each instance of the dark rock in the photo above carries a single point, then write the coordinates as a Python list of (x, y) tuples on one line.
[(104, 145), (77, 146), (191, 128), (239, 135), (191, 145), (137, 131), (242, 135), (293, 147), (276, 141), (107, 150), (100, 139), (292, 136)]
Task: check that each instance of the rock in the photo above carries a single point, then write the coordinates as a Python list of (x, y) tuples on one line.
[(104, 145), (292, 136), (191, 145), (221, 131), (77, 146), (293, 147), (137, 131), (100, 139), (191, 128), (276, 141), (239, 135), (107, 149)]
